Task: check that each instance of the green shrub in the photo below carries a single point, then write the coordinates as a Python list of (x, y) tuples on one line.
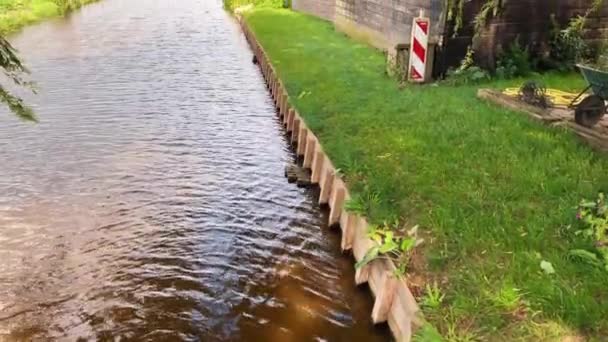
[(514, 62), (567, 46)]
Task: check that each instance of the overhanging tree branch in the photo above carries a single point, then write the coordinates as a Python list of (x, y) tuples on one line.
[(14, 70)]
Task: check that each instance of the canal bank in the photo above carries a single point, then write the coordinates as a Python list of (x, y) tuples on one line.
[(473, 176), (16, 14), (150, 202), (394, 302)]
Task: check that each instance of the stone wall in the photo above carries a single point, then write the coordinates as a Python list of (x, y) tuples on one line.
[(320, 8), (386, 23)]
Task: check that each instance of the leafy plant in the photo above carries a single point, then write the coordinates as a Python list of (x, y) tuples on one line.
[(491, 8), (594, 216), (508, 298), (455, 8), (433, 297), (567, 46), (393, 244), (455, 13)]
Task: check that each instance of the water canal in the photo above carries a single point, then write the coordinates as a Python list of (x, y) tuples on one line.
[(150, 203)]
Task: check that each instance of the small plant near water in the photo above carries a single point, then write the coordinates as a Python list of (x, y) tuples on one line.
[(594, 216), (363, 204), (393, 244), (433, 297)]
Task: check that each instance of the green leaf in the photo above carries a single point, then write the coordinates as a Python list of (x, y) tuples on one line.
[(388, 237), (377, 238), (547, 267), (388, 246), (587, 204), (407, 244)]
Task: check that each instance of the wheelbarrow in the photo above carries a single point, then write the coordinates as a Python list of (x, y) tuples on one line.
[(592, 107)]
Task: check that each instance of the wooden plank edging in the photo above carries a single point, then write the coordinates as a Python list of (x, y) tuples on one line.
[(394, 302)]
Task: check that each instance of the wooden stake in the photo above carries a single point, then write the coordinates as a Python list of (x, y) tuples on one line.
[(347, 223), (362, 275), (301, 140), (384, 298), (290, 119), (326, 183), (317, 166), (337, 200), (309, 152), (296, 130)]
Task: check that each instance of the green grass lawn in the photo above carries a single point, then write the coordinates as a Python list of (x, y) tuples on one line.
[(494, 192), (15, 14)]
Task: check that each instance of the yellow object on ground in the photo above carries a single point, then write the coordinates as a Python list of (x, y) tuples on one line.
[(558, 98)]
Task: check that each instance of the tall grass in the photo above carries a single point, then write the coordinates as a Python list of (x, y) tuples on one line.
[(493, 191)]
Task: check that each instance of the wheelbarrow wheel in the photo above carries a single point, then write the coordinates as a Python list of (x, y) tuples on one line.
[(589, 111)]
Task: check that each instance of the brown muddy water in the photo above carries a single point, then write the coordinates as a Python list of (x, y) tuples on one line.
[(150, 203)]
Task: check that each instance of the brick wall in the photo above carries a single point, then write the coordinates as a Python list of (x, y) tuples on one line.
[(526, 20), (320, 8)]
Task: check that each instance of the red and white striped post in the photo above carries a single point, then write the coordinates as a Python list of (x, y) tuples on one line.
[(419, 49)]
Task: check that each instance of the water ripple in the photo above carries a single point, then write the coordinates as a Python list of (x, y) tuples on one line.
[(150, 202)]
